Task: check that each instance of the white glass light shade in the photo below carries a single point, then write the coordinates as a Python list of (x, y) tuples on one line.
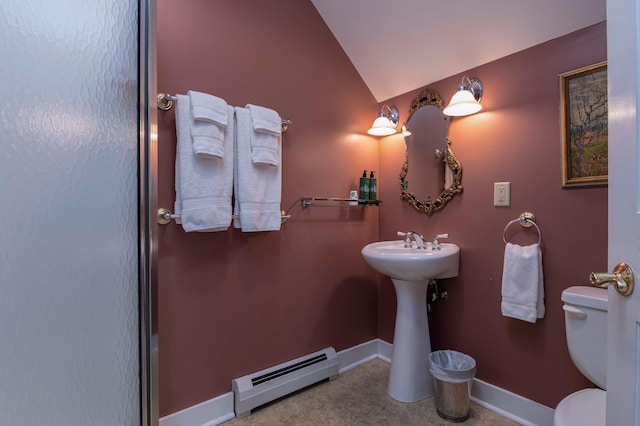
[(382, 126), (462, 103)]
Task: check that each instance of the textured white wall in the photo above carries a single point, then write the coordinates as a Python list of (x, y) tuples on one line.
[(68, 205)]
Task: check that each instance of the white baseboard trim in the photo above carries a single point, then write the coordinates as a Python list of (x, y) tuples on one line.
[(357, 355), (363, 353), (507, 404), (510, 405), (208, 413), (384, 350)]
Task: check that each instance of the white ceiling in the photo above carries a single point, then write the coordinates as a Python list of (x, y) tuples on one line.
[(401, 45)]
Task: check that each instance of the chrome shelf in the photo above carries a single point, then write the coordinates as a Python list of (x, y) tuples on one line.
[(334, 201)]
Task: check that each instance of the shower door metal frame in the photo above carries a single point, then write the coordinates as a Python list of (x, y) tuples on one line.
[(148, 226)]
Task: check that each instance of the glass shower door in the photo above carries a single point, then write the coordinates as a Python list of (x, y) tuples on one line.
[(69, 347)]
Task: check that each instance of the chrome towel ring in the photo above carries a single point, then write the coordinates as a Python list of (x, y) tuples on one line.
[(526, 220)]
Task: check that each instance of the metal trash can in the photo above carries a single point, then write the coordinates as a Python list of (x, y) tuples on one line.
[(452, 373)]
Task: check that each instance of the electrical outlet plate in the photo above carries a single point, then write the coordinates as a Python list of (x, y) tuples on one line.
[(502, 194)]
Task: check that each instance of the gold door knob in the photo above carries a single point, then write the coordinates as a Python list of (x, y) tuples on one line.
[(621, 278)]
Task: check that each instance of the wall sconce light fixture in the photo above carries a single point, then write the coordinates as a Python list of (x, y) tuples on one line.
[(466, 100), (386, 122)]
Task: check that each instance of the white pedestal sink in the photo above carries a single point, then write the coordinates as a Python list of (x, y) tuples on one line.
[(410, 269)]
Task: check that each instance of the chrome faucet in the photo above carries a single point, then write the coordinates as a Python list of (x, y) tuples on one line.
[(417, 238)]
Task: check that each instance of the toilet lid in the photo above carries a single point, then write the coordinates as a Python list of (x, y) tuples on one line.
[(586, 407)]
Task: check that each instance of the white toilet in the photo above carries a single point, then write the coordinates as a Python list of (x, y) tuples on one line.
[(585, 313)]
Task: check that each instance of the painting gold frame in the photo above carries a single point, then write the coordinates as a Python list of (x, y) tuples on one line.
[(584, 121)]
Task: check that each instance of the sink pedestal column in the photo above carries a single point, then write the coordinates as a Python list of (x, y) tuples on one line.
[(410, 379)]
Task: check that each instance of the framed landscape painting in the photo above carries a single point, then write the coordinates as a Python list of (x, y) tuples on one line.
[(584, 121)]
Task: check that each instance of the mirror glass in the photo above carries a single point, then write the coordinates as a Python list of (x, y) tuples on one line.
[(431, 174)]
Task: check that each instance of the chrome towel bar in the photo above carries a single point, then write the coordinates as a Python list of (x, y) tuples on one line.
[(165, 216), (165, 103)]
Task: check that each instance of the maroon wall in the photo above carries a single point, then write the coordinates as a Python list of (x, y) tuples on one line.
[(231, 303), (516, 138)]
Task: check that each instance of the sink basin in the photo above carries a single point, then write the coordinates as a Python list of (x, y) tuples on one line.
[(395, 260), (410, 270)]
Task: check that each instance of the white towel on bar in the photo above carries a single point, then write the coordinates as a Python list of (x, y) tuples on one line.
[(257, 186), (265, 142), (523, 283), (204, 186), (209, 121)]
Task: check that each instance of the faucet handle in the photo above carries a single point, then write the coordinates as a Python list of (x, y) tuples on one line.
[(407, 238), (435, 245)]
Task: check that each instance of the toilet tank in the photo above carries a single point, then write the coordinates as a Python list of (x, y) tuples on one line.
[(585, 313)]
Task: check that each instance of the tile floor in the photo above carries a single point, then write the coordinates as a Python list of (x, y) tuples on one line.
[(358, 397)]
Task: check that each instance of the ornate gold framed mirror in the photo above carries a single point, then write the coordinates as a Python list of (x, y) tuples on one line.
[(435, 175)]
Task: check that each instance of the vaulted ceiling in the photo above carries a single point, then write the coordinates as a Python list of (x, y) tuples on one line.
[(401, 45)]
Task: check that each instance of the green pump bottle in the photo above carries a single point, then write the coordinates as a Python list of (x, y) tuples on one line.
[(364, 186), (373, 190)]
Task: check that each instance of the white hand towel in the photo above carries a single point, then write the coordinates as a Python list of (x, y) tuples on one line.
[(265, 142), (204, 186), (209, 108), (257, 186), (209, 120), (523, 283)]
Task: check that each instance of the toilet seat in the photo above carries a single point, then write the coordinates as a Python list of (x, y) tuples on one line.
[(586, 407)]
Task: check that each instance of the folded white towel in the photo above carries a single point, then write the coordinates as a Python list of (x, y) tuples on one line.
[(523, 283), (204, 186), (257, 186), (209, 120), (265, 120), (265, 142), (209, 108)]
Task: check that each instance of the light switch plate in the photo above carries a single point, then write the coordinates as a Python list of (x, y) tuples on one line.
[(502, 194)]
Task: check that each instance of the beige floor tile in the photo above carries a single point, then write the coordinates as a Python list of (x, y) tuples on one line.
[(358, 397)]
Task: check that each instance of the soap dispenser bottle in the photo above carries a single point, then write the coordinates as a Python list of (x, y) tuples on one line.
[(364, 186), (373, 191)]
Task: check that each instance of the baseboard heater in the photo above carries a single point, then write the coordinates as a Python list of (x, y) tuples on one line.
[(264, 386)]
